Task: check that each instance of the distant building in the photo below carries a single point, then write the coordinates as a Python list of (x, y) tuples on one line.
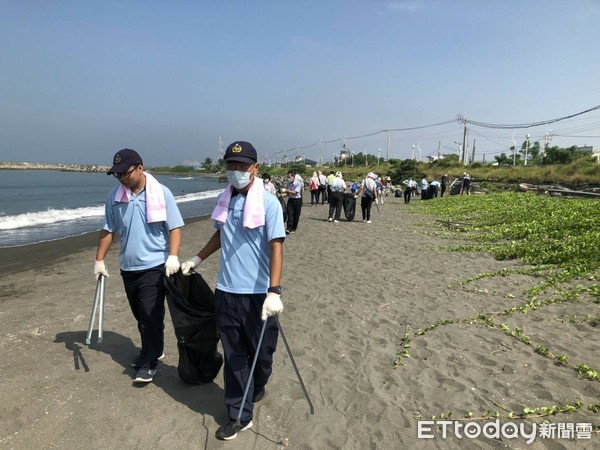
[(588, 149)]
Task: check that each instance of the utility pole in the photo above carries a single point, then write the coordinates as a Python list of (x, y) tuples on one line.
[(514, 149), (413, 152), (465, 157), (320, 153), (388, 145), (547, 139), (473, 157), (439, 145), (526, 147)]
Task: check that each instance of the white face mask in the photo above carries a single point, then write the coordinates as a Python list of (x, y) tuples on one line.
[(238, 179)]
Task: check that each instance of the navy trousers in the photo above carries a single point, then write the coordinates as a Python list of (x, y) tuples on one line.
[(146, 291), (239, 324)]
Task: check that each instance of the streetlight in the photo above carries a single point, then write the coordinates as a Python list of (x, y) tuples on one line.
[(413, 152), (352, 159), (333, 159), (527, 147), (378, 155)]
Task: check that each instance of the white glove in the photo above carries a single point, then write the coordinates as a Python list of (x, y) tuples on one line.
[(172, 265), (100, 269), (190, 264), (271, 306)]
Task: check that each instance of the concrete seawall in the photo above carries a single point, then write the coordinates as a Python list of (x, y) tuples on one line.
[(45, 166)]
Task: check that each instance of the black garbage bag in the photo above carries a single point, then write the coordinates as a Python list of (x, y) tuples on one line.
[(349, 205), (192, 307)]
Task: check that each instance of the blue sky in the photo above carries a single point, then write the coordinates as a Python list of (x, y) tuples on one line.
[(82, 79)]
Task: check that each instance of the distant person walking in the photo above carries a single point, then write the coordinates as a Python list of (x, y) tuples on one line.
[(368, 194), (144, 214), (336, 198), (314, 189), (330, 179), (294, 203), (424, 188), (466, 184), (322, 187), (444, 184), (409, 187)]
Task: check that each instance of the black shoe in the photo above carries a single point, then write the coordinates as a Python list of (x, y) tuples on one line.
[(258, 395), (231, 429), (145, 375)]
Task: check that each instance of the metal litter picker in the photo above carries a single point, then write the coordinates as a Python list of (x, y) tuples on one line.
[(98, 304)]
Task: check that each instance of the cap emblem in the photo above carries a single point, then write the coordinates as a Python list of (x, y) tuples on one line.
[(237, 148)]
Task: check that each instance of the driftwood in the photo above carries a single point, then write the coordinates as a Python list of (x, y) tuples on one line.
[(556, 190), (453, 224)]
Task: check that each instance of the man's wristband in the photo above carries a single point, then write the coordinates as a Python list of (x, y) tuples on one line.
[(275, 290)]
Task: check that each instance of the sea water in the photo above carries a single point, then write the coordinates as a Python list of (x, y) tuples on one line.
[(46, 205)]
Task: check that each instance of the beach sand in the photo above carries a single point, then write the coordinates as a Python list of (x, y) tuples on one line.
[(351, 292)]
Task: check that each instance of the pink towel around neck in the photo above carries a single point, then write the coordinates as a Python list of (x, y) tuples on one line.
[(156, 210), (254, 208)]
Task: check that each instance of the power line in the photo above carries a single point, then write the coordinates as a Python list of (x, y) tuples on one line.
[(530, 125)]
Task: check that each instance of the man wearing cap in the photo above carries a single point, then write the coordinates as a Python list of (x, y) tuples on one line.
[(250, 234), (144, 214), (293, 190)]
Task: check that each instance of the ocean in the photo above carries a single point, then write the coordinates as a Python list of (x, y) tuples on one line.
[(47, 205)]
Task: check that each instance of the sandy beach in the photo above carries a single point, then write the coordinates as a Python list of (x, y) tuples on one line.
[(352, 291)]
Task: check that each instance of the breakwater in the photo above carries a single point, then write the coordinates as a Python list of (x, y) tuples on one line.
[(47, 166)]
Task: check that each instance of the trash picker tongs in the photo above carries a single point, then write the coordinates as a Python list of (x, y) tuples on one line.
[(98, 304)]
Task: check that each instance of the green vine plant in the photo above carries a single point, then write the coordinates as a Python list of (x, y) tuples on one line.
[(527, 413)]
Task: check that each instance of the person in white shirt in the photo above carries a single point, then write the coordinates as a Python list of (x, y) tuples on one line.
[(336, 200), (368, 194), (268, 185)]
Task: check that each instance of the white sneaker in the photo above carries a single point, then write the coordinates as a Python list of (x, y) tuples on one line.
[(330, 220), (368, 221), (336, 221)]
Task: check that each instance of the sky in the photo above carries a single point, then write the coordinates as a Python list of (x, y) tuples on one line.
[(171, 79)]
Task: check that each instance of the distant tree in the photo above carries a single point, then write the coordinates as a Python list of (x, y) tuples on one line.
[(404, 169), (557, 155), (207, 164), (448, 161), (533, 152), (503, 159)]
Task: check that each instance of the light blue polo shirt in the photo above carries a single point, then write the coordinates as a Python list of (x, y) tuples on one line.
[(245, 252), (143, 245)]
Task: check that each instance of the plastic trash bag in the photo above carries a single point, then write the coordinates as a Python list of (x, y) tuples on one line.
[(192, 307), (349, 205)]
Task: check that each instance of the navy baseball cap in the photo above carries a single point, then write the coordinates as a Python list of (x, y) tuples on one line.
[(123, 160), (240, 151)]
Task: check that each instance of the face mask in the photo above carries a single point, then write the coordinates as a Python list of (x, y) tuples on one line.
[(290, 179), (238, 180), (266, 180)]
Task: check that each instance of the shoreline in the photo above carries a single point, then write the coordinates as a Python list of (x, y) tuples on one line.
[(33, 256)]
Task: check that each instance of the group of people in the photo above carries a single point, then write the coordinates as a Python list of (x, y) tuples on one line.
[(249, 233), (431, 189), (331, 189)]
